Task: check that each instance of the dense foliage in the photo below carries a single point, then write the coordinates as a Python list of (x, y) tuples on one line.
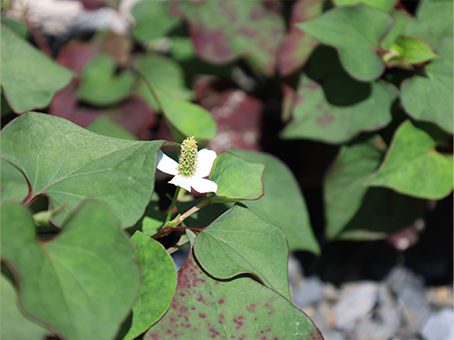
[(87, 227)]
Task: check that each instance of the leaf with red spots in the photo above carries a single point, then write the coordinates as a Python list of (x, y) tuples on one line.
[(335, 107), (223, 31), (238, 116), (240, 242), (298, 44), (204, 308)]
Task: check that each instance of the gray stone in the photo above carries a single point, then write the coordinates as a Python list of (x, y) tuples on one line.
[(439, 325), (409, 291), (383, 322), (308, 293), (356, 301), (295, 273)]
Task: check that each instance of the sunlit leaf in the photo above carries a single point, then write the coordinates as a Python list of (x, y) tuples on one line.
[(204, 308), (412, 49), (430, 96), (83, 282), (158, 282), (413, 166), (283, 203), (29, 78), (237, 179), (356, 32), (15, 326), (240, 242), (68, 163)]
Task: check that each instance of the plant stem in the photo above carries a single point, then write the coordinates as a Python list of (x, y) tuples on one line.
[(174, 200)]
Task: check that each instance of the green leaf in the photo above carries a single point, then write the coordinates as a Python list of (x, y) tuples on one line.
[(438, 16), (314, 117), (29, 78), (107, 127), (83, 282), (187, 118), (68, 163), (15, 326), (430, 97), (413, 166), (240, 242), (401, 19), (384, 5), (283, 203), (158, 283), (413, 50), (14, 187), (352, 208), (98, 85), (18, 27), (355, 31), (164, 73), (204, 308), (237, 179), (152, 20)]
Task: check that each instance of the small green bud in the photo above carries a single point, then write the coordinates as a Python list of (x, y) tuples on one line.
[(187, 163)]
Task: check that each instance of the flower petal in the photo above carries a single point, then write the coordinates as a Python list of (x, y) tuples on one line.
[(205, 159), (167, 164), (202, 185), (181, 181)]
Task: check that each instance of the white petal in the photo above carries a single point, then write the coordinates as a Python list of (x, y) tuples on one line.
[(205, 159), (181, 181), (167, 164), (203, 185)]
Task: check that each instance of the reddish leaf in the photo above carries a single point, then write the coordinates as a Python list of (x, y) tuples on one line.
[(298, 45), (237, 115), (204, 308), (93, 4), (223, 31)]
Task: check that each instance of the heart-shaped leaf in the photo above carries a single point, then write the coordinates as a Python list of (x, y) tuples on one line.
[(29, 78), (204, 308), (437, 16), (82, 283), (298, 45), (68, 163), (283, 203), (314, 117), (430, 97), (152, 20), (240, 242), (384, 5), (14, 187), (237, 179), (99, 87), (413, 166), (15, 326), (159, 279), (240, 28), (412, 49), (355, 31), (188, 118), (352, 208), (163, 72)]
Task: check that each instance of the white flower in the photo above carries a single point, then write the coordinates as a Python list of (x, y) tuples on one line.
[(200, 166)]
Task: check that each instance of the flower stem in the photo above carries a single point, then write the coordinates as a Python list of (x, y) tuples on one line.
[(174, 200)]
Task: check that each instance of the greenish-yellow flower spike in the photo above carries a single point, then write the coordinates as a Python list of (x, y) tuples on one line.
[(187, 163)]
